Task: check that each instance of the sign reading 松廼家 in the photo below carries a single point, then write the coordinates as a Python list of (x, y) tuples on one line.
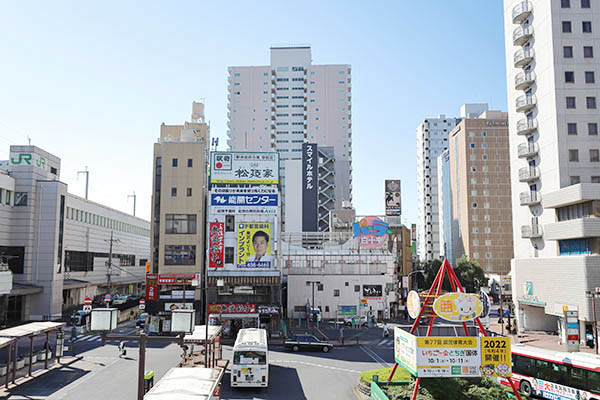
[(244, 168)]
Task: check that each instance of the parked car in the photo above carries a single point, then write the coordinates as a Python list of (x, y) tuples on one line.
[(359, 320), (315, 313), (121, 299), (307, 342), (142, 320), (79, 318)]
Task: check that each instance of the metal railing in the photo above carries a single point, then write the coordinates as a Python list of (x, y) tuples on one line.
[(523, 57), (521, 34), (521, 11), (526, 125), (527, 149), (524, 80)]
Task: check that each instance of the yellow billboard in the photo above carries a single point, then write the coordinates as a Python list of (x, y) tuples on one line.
[(458, 307), (254, 245)]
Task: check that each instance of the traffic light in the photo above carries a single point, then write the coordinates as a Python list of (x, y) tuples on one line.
[(147, 267)]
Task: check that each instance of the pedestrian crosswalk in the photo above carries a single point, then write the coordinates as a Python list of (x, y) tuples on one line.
[(385, 343)]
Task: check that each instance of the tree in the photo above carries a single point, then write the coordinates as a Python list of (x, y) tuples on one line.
[(430, 271), (470, 274)]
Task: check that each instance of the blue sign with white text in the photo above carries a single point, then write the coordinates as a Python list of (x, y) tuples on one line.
[(248, 200)]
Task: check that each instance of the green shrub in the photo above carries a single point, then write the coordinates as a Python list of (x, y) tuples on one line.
[(401, 375)]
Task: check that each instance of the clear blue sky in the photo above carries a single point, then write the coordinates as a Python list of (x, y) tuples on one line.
[(91, 82)]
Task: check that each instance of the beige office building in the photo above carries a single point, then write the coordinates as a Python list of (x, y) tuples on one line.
[(178, 197), (479, 172)]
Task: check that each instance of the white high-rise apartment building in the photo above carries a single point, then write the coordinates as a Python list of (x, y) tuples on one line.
[(552, 57), (432, 140), (280, 106)]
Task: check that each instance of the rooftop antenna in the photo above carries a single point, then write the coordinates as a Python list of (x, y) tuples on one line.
[(87, 179), (29, 140), (134, 198)]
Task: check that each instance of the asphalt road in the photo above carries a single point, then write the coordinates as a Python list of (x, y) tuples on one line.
[(103, 375)]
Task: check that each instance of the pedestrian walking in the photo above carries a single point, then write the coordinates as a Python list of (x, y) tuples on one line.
[(122, 351), (342, 335), (386, 333)]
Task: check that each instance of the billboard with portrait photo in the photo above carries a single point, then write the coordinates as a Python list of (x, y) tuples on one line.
[(254, 245)]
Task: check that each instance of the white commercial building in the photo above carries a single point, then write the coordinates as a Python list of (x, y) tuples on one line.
[(339, 274), (57, 245), (551, 62), (281, 106)]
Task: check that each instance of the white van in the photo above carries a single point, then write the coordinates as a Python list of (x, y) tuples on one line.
[(250, 364)]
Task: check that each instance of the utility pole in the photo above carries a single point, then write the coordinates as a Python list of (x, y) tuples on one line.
[(87, 179), (134, 199), (109, 262)]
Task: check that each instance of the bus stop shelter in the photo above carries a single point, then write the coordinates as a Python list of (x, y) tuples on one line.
[(199, 337), (8, 343), (187, 384), (30, 331)]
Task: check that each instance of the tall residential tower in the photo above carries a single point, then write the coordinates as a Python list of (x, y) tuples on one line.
[(280, 106)]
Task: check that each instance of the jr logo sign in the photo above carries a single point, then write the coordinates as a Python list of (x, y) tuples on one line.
[(28, 159), (22, 157)]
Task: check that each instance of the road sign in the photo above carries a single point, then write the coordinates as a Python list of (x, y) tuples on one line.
[(142, 304), (87, 301), (107, 297)]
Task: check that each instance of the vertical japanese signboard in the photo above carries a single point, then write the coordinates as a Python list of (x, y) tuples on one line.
[(151, 286), (310, 186), (495, 357), (254, 245), (216, 245), (393, 204)]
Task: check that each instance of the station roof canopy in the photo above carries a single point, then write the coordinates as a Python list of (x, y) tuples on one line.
[(199, 334), (5, 341), (30, 329)]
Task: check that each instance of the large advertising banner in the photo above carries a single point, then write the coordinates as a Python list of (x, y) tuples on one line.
[(232, 308), (392, 198), (372, 291), (347, 310), (310, 187), (254, 244), (216, 244), (405, 350), (151, 286), (495, 357), (451, 357), (244, 201), (244, 168)]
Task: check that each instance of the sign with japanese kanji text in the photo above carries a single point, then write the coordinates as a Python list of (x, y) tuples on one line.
[(405, 350), (244, 168), (244, 201), (450, 357), (216, 244), (495, 357), (232, 308), (254, 244)]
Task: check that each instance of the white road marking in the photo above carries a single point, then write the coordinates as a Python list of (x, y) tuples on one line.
[(82, 338), (374, 356), (384, 341), (316, 365)]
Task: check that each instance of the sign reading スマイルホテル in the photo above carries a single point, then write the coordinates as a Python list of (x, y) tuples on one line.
[(244, 168), (232, 308), (310, 187)]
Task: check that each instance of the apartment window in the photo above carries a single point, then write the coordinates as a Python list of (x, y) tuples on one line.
[(180, 255), (586, 26), (472, 145), (475, 229), (569, 77), (472, 134), (174, 162), (488, 242), (486, 192), (588, 52), (474, 205), (484, 157), (180, 223), (595, 179), (473, 181), (484, 168), (20, 199), (174, 191), (484, 145), (229, 254), (574, 180), (568, 51), (473, 192), (473, 157), (590, 102), (476, 255), (572, 128), (585, 3), (594, 155), (565, 3), (336, 292), (566, 26), (592, 128), (190, 163), (570, 102), (189, 192), (486, 205), (486, 217), (475, 218), (573, 155), (589, 77), (486, 181), (574, 247), (475, 242), (356, 288)]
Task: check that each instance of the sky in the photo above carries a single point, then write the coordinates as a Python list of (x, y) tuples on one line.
[(91, 82)]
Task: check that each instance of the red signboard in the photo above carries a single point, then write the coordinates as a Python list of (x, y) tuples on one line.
[(232, 308), (216, 243), (175, 279), (152, 286), (87, 301), (142, 301)]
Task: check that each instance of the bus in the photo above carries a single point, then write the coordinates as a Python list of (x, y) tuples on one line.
[(250, 364), (555, 375)]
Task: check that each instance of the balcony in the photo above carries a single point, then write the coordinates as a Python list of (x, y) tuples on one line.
[(525, 103), (521, 12), (523, 80), (531, 232), (528, 174), (522, 34), (573, 229), (530, 198), (529, 149), (522, 58), (526, 126)]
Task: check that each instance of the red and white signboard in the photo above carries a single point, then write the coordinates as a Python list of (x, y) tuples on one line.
[(151, 286), (87, 304), (216, 238), (175, 279), (142, 304)]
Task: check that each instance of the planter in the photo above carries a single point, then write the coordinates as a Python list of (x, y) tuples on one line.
[(3, 369), (20, 363), (34, 358), (41, 355)]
